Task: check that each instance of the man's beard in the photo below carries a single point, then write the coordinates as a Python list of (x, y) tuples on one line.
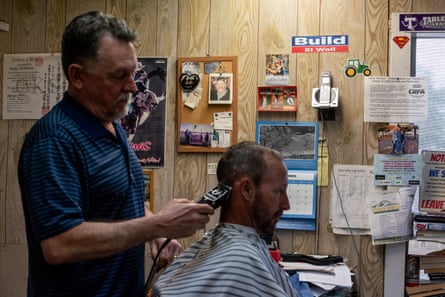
[(265, 225), (119, 112)]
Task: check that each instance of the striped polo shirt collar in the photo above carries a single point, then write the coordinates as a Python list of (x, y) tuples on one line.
[(82, 117)]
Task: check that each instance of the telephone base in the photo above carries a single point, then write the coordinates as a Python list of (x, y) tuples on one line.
[(326, 114), (331, 103)]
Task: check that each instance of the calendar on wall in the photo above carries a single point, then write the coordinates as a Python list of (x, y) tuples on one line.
[(298, 143), (302, 193)]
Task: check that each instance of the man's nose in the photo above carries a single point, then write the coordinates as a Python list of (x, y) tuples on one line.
[(285, 204), (130, 85)]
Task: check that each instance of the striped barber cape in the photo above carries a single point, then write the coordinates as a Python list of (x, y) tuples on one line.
[(230, 260)]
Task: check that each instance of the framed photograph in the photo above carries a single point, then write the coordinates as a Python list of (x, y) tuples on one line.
[(196, 134), (149, 188), (398, 139), (277, 69), (220, 88), (297, 141)]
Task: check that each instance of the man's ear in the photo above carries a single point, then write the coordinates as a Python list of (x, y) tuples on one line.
[(247, 189), (75, 73)]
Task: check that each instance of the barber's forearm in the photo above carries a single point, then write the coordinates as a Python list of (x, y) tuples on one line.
[(95, 240)]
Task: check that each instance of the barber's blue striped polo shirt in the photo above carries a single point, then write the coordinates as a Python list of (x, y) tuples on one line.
[(72, 170)]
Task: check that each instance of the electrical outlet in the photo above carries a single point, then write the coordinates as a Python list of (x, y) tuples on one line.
[(211, 168), (4, 26)]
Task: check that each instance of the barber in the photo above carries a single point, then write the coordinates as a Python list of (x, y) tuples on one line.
[(82, 185)]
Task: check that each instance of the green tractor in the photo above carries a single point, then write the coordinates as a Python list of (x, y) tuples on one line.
[(354, 66)]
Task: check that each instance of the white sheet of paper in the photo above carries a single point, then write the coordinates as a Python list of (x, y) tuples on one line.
[(390, 215), (395, 99), (341, 277), (350, 184), (223, 120)]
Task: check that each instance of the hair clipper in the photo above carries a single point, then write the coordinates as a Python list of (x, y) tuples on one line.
[(216, 196)]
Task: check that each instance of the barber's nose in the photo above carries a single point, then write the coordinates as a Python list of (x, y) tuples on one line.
[(131, 85)]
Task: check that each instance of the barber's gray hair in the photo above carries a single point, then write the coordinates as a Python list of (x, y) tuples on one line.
[(244, 158), (80, 41)]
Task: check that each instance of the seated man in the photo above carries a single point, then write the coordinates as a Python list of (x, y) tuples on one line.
[(233, 259)]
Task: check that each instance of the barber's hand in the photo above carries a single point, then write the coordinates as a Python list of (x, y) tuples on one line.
[(168, 254), (182, 218)]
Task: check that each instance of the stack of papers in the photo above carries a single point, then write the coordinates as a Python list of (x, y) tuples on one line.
[(324, 278)]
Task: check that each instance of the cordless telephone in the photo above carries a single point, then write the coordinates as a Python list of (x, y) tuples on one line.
[(325, 97), (325, 88)]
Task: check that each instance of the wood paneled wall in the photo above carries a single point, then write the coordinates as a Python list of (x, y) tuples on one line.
[(248, 29)]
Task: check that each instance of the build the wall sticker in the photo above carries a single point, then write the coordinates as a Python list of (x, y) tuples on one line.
[(320, 44)]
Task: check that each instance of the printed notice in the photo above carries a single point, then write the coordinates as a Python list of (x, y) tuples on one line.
[(397, 170), (432, 194), (395, 99), (350, 186), (390, 215), (32, 84)]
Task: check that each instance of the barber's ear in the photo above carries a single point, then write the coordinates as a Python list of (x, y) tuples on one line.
[(75, 72)]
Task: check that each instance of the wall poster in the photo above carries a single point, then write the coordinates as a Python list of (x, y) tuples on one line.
[(145, 121)]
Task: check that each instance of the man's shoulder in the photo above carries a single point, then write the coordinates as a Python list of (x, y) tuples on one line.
[(231, 242), (53, 125)]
